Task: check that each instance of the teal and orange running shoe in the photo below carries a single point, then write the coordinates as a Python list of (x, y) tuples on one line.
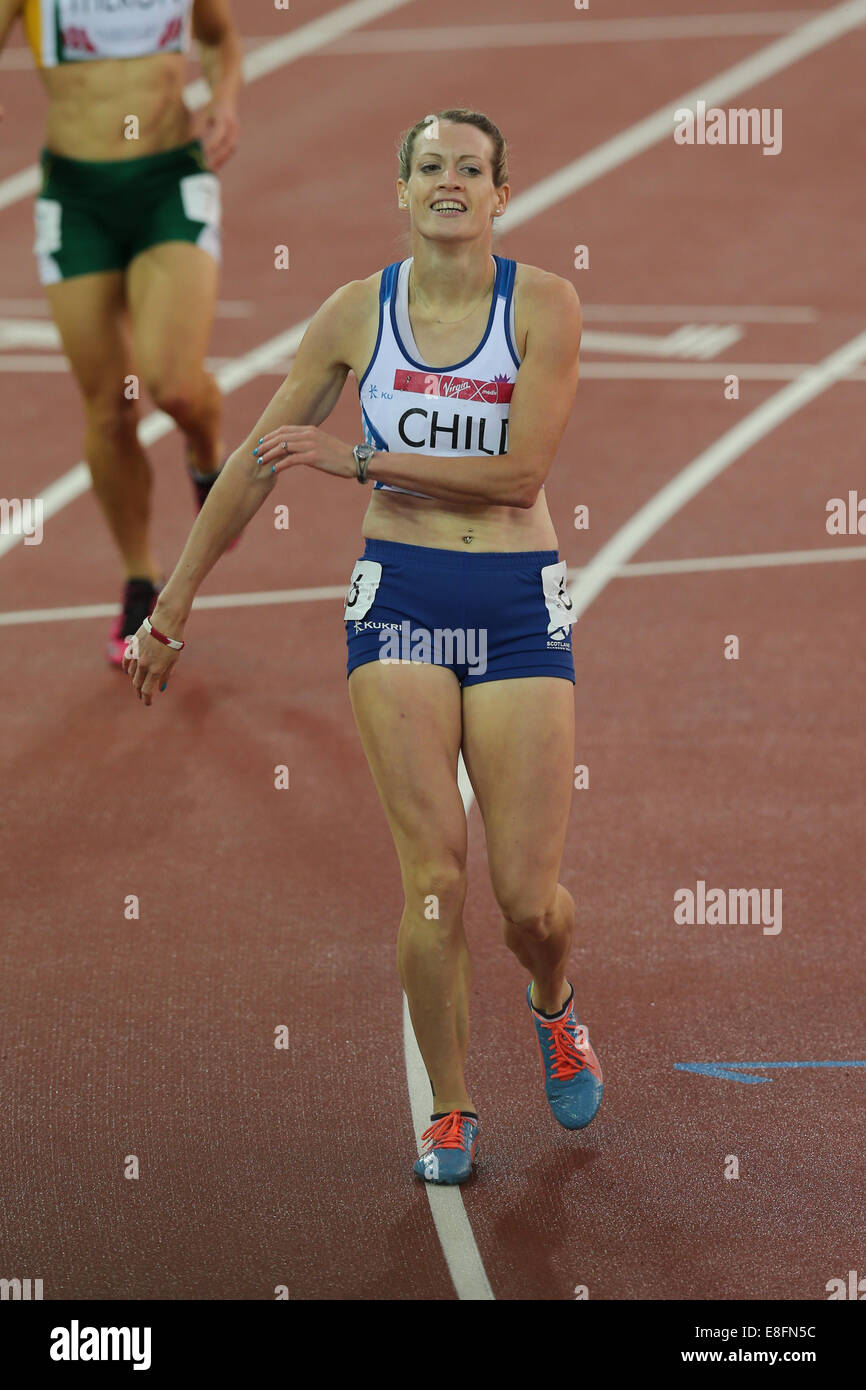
[(449, 1148), (573, 1081)]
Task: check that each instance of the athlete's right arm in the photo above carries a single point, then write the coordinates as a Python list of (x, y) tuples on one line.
[(306, 397), (8, 11)]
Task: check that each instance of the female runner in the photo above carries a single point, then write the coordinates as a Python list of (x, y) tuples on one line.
[(457, 617), (128, 239)]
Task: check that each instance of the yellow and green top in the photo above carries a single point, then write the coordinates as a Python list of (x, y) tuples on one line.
[(75, 31)]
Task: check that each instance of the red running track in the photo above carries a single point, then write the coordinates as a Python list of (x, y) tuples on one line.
[(260, 908)]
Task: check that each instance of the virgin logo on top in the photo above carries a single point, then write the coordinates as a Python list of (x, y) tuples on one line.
[(495, 392)]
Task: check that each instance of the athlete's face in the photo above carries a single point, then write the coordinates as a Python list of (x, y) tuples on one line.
[(450, 193)]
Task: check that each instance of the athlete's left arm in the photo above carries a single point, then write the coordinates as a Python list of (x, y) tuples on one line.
[(540, 407), (221, 58)]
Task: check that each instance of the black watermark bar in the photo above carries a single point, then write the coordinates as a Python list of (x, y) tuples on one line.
[(157, 1338)]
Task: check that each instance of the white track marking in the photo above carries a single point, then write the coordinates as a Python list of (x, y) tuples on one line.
[(28, 333), (262, 599), (608, 313), (41, 309), (697, 371), (446, 1205), (578, 30), (692, 340), (688, 313), (548, 191), (273, 54), (652, 130), (708, 465), (589, 371), (707, 564), (649, 371), (31, 365), (714, 563)]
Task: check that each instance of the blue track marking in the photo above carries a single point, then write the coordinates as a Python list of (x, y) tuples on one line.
[(731, 1071)]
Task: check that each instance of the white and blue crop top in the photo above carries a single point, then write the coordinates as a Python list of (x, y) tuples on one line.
[(408, 406)]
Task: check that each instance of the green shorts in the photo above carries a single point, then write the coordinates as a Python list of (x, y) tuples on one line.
[(91, 216)]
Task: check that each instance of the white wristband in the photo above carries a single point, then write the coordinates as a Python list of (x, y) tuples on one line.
[(172, 642)]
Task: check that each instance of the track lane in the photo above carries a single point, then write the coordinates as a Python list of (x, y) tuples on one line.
[(233, 718)]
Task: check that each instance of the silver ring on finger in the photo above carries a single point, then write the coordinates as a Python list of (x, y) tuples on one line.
[(285, 447)]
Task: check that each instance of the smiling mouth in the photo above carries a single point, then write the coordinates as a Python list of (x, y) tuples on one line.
[(447, 207)]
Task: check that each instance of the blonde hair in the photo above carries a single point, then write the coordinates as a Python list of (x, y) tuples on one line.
[(459, 116)]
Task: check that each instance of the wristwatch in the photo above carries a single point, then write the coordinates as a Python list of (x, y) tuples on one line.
[(363, 453)]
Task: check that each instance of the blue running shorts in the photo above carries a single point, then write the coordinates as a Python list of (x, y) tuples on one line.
[(487, 617)]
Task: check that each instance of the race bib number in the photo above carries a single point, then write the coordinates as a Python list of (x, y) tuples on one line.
[(366, 577), (201, 197), (560, 609), (46, 219)]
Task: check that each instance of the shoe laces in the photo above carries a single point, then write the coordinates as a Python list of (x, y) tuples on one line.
[(567, 1037), (446, 1133)]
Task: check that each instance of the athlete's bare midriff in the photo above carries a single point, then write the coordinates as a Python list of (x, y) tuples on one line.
[(90, 103), (392, 516)]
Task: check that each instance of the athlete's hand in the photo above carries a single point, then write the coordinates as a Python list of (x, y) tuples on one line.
[(295, 444), (217, 128), (149, 663)]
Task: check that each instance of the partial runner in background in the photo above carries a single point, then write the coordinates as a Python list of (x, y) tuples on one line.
[(127, 240)]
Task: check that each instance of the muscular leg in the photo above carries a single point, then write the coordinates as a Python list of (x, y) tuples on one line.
[(172, 291), (409, 721), (518, 745), (90, 314)]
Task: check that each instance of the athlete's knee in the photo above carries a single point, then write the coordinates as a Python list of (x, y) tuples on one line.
[(183, 400), (113, 418), (435, 886), (531, 910)]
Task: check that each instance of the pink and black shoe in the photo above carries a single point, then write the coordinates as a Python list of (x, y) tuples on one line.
[(139, 601)]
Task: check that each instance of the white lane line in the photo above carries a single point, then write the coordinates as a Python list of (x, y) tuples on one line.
[(643, 371), (275, 53), (41, 309), (688, 313), (670, 499), (702, 371), (691, 340), (638, 569), (577, 30), (446, 1205), (600, 313), (537, 199), (265, 598), (581, 30), (831, 25), (589, 371), (28, 333)]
